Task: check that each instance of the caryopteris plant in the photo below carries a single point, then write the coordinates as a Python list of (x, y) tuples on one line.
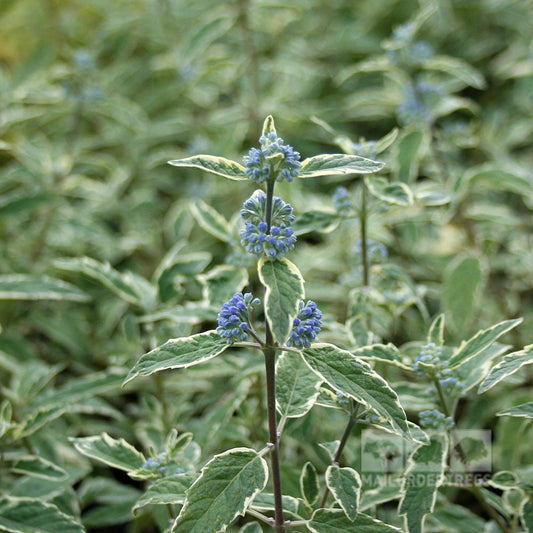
[(299, 372)]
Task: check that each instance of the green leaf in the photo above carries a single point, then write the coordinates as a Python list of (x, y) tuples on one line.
[(392, 490), (480, 341), (510, 364), (461, 283), (179, 268), (227, 485), (251, 527), (296, 386), (457, 68), (526, 514), (458, 518), (354, 378), (309, 486), (30, 287), (422, 479), (26, 515), (395, 193), (168, 490), (436, 331), (38, 467), (335, 521), (504, 480), (345, 486), (524, 410), (264, 502), (384, 353), (214, 165), (211, 220), (128, 286), (408, 155), (337, 164), (221, 281), (498, 179), (387, 140), (113, 452), (179, 353), (320, 221), (284, 290), (268, 126), (17, 203)]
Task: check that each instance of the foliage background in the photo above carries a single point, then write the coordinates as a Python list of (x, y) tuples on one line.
[(96, 97)]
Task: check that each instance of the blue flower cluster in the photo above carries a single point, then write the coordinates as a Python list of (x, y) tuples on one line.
[(342, 202), (431, 355), (255, 236), (437, 367), (234, 317), (262, 165), (341, 399), (306, 325), (451, 387), (433, 419), (419, 103), (160, 465)]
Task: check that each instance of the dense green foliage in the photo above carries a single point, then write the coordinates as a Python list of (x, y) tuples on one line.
[(114, 264)]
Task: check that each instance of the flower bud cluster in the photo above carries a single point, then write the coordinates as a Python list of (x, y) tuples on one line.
[(431, 355), (433, 419), (371, 417), (234, 317), (342, 202), (256, 237), (261, 165), (160, 465), (306, 325), (451, 387), (435, 367), (341, 399)]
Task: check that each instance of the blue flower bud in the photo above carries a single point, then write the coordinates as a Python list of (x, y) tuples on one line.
[(234, 317), (259, 168), (306, 325), (254, 237)]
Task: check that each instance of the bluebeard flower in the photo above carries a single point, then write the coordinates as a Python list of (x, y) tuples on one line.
[(431, 355), (255, 236), (342, 202), (260, 163), (306, 325), (451, 387), (234, 317), (433, 419)]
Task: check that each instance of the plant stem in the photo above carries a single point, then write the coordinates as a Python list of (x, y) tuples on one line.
[(336, 458), (269, 352), (476, 491), (364, 249), (270, 368)]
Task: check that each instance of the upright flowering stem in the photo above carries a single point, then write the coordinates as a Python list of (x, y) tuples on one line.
[(270, 352), (364, 247)]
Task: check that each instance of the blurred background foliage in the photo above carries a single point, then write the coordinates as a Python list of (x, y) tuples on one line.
[(96, 97)]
